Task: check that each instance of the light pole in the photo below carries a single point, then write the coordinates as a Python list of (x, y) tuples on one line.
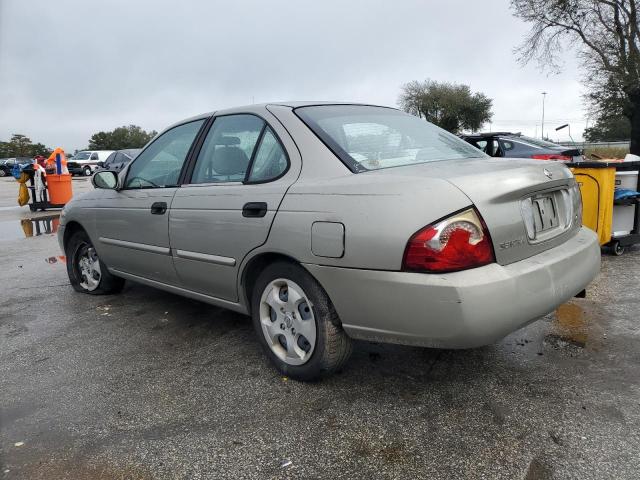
[(544, 95)]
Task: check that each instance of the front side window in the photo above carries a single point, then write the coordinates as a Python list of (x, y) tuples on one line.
[(160, 164), (371, 138), (110, 159), (227, 151)]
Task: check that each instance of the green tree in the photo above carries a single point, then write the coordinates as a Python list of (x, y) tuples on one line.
[(614, 128), (606, 34), (5, 150), (448, 105), (21, 146), (120, 138)]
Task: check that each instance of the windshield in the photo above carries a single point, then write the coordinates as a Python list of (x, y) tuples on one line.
[(82, 156), (371, 138)]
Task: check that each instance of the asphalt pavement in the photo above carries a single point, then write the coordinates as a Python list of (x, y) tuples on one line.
[(149, 385)]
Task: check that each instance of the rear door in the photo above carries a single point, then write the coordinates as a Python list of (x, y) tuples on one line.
[(242, 172), (132, 223)]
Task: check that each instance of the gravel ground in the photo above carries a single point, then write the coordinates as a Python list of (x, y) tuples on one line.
[(146, 384)]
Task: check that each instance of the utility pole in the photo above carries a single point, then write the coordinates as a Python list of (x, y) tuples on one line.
[(544, 95)]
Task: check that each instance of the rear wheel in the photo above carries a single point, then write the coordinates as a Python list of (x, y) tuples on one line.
[(2, 173), (87, 273), (87, 171), (296, 323), (616, 248)]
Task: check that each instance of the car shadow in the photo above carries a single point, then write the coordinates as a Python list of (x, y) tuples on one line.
[(187, 324)]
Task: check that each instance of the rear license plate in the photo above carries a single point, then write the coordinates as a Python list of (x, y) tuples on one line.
[(545, 213)]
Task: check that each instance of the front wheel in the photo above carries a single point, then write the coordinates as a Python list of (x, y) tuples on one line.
[(87, 273), (87, 171), (297, 324), (2, 173)]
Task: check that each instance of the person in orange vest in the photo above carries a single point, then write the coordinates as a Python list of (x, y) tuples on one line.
[(51, 161)]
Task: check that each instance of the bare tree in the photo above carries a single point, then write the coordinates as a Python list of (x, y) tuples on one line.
[(606, 34)]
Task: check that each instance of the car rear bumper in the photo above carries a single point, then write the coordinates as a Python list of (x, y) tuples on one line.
[(462, 309)]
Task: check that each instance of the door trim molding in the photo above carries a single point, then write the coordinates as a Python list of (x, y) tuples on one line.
[(204, 257), (219, 302), (135, 246)]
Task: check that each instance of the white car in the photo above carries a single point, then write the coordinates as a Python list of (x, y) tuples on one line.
[(86, 161)]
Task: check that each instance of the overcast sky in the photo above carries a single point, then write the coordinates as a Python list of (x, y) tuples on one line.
[(71, 68)]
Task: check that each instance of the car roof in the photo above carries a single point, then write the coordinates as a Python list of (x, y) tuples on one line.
[(257, 107), (493, 134)]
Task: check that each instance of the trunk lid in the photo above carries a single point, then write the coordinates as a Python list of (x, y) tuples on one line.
[(528, 206)]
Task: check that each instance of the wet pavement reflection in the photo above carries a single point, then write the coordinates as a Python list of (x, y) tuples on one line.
[(29, 227)]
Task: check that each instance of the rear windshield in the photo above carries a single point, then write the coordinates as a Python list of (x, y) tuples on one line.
[(537, 142), (371, 138)]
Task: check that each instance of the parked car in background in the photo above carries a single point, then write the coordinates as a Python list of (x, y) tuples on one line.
[(119, 159), (6, 166), (515, 145), (86, 161), (327, 222)]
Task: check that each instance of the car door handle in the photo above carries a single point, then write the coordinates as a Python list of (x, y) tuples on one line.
[(158, 208), (254, 209)]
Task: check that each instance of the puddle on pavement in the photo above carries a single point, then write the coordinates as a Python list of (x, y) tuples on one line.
[(577, 325), (571, 324), (60, 259), (29, 227)]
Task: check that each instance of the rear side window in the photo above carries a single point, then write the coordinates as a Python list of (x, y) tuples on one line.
[(227, 150), (240, 148), (371, 138), (515, 147), (270, 160), (506, 145)]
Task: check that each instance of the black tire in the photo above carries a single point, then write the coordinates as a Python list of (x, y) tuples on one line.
[(332, 347), (76, 246), (87, 171), (617, 249), (2, 173)]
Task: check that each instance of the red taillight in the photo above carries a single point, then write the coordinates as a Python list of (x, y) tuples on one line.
[(551, 156), (456, 243)]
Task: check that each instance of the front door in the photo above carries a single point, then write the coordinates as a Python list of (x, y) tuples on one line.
[(239, 179), (132, 223)]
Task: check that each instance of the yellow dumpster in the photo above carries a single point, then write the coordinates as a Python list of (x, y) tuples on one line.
[(597, 185)]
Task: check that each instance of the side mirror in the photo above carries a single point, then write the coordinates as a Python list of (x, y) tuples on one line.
[(105, 179)]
